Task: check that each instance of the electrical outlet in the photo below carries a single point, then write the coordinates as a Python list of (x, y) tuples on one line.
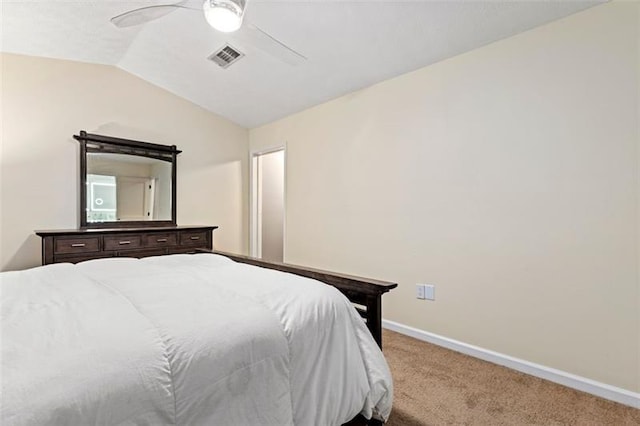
[(419, 291), (430, 292)]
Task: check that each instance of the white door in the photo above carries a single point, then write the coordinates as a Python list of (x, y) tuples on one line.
[(267, 198)]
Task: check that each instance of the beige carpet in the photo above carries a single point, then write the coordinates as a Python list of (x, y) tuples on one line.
[(436, 386)]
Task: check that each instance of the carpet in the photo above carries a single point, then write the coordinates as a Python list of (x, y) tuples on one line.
[(436, 386)]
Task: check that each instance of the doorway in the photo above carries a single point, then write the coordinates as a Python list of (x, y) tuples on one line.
[(135, 198), (267, 204)]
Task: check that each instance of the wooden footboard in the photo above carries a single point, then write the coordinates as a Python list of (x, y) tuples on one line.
[(364, 293)]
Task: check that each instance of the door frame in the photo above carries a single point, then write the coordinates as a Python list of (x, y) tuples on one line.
[(255, 237)]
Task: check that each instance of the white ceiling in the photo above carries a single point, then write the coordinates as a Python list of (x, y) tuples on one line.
[(349, 44)]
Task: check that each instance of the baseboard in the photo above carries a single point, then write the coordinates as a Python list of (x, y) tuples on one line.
[(573, 381)]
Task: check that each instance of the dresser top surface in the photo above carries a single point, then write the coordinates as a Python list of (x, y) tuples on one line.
[(97, 231)]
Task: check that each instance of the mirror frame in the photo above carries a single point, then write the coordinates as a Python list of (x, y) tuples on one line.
[(92, 143)]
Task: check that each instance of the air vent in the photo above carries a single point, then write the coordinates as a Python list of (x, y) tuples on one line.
[(226, 56)]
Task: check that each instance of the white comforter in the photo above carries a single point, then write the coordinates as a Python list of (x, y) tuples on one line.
[(183, 340)]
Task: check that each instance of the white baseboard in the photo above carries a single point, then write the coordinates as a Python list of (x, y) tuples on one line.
[(573, 381)]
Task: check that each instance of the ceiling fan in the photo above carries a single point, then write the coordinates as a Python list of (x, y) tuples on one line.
[(226, 16)]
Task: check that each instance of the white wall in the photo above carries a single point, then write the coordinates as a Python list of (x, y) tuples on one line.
[(506, 176), (46, 101)]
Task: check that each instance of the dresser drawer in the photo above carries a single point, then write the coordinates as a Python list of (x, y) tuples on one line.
[(122, 242), (183, 250), (75, 258), (142, 253), (161, 240), (76, 245), (193, 238)]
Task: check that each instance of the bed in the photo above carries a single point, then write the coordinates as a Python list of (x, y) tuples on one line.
[(187, 339)]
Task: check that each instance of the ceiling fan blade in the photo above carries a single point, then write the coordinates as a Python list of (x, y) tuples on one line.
[(269, 44), (145, 14)]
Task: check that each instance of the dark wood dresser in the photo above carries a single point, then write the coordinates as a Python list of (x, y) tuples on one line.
[(77, 245)]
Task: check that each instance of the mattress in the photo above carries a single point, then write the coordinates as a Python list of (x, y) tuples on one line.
[(183, 340)]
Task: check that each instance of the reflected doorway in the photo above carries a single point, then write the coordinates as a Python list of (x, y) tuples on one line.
[(267, 204)]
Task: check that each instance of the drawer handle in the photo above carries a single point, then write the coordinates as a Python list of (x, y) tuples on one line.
[(78, 245), (195, 238), (124, 243), (161, 240)]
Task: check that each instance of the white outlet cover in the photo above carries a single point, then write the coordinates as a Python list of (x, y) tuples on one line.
[(430, 292), (419, 291)]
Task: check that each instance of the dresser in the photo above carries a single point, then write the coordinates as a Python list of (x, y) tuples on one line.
[(77, 245)]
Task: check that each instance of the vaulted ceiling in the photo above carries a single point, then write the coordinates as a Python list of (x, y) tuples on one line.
[(348, 44)]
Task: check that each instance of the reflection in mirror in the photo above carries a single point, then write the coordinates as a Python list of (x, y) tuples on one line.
[(121, 187)]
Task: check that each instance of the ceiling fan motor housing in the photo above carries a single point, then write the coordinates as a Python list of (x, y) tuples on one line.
[(224, 15)]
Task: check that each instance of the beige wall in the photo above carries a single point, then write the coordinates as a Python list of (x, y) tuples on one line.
[(45, 102), (507, 177)]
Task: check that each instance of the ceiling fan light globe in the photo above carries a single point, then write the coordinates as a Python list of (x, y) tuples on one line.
[(224, 16)]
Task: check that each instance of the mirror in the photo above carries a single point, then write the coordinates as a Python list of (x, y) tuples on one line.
[(123, 187), (126, 182)]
